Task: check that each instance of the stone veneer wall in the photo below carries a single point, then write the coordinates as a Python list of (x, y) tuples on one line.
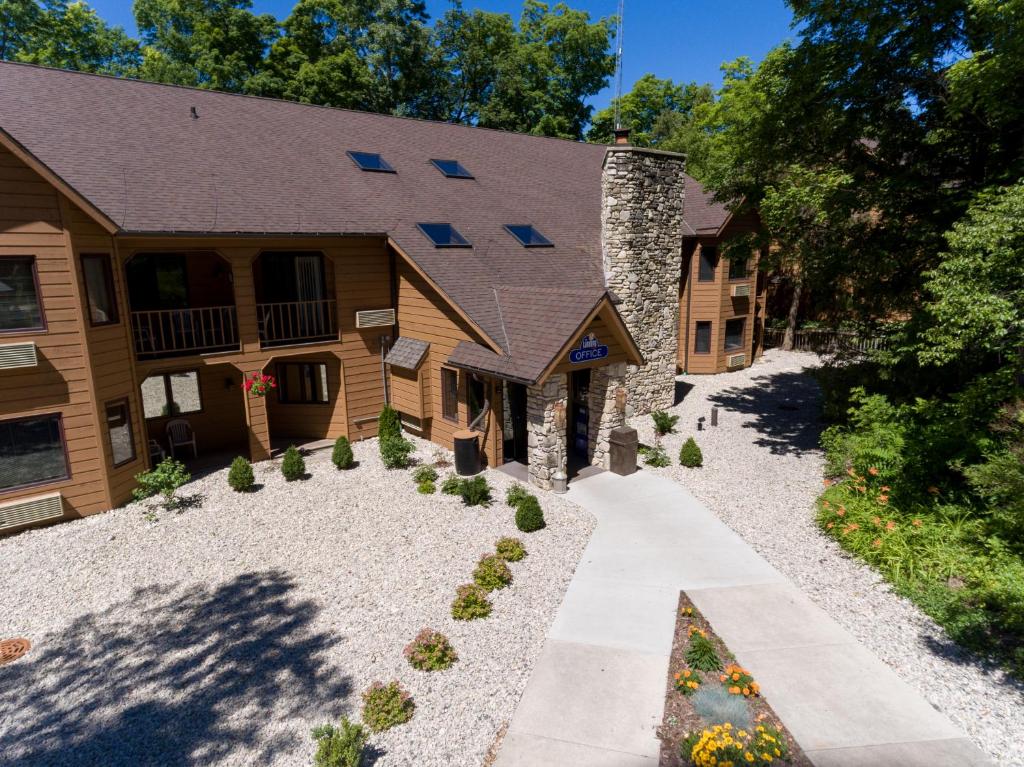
[(546, 441), (604, 417), (642, 237)]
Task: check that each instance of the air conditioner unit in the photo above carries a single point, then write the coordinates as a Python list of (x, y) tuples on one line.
[(736, 360), (375, 318), (21, 355), (741, 291), (27, 510)]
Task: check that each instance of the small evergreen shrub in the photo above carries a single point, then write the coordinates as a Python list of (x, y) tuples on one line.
[(240, 476), (388, 423), (341, 455), (663, 422), (529, 515), (293, 466), (492, 573), (701, 653), (165, 479), (426, 488), (395, 452), (516, 495), (656, 457), (452, 485), (470, 603), (690, 454), (339, 746), (424, 474), (475, 491), (430, 651), (386, 705), (510, 549)]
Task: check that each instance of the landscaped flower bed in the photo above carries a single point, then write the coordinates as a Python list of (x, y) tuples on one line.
[(714, 712)]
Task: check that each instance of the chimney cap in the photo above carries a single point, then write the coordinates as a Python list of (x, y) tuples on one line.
[(621, 136)]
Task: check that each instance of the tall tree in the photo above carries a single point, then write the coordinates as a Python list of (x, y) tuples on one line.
[(18, 19), (646, 111)]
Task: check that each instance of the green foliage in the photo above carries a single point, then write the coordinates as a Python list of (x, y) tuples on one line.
[(999, 479), (646, 110), (386, 705), (664, 423), (475, 491), (341, 455), (701, 655), (714, 704), (516, 495), (452, 485), (395, 452), (240, 476), (492, 573), (690, 454), (529, 515), (470, 603), (426, 488), (164, 479), (656, 457), (293, 466), (430, 651), (388, 424), (510, 549), (339, 746), (424, 474)]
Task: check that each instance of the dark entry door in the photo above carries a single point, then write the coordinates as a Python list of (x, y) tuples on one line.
[(579, 419), (515, 447)]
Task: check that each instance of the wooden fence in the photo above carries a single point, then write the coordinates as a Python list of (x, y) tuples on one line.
[(824, 340)]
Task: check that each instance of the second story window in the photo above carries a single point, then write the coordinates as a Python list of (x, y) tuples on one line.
[(708, 263), (734, 334), (99, 288), (737, 268), (20, 307)]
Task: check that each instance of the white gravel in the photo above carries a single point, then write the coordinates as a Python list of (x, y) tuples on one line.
[(762, 472), (222, 634)]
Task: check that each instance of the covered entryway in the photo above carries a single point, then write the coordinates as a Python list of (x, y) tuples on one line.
[(516, 447)]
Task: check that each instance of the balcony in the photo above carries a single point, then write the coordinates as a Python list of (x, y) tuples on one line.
[(292, 322), (175, 332)]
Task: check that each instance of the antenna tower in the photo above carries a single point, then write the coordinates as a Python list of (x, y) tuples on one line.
[(618, 66)]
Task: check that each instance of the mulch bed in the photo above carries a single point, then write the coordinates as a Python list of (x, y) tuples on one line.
[(680, 719)]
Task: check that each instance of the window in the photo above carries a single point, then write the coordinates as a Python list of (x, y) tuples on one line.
[(737, 268), (702, 338), (452, 168), (371, 161), (32, 451), (734, 333), (302, 383), (119, 429), (443, 235), (19, 295), (450, 394), (708, 263), (476, 397), (99, 288), (171, 394), (528, 236)]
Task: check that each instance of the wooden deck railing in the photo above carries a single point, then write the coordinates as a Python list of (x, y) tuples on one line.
[(170, 332), (296, 321), (824, 340)]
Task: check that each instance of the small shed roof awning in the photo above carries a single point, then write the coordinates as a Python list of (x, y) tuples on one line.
[(407, 353)]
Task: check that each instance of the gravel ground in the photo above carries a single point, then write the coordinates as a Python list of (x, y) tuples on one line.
[(762, 472), (221, 634)]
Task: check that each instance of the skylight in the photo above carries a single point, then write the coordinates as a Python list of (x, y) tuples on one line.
[(452, 168), (444, 235), (528, 236), (371, 161)]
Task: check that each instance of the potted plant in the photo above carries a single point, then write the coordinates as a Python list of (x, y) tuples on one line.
[(258, 384)]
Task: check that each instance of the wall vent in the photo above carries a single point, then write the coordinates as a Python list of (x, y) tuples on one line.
[(741, 291), (736, 360), (18, 355), (375, 318), (28, 510)]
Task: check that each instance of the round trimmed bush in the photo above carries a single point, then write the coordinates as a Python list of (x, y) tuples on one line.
[(424, 474), (385, 705), (510, 549), (470, 603), (690, 454), (293, 467), (529, 515), (341, 456), (492, 573), (430, 651), (240, 476)]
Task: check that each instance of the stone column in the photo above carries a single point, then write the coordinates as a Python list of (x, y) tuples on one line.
[(604, 416), (642, 237), (546, 439)]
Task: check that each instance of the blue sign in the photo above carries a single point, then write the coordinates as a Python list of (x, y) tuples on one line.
[(590, 349)]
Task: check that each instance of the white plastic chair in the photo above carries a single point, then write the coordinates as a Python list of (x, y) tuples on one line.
[(180, 434)]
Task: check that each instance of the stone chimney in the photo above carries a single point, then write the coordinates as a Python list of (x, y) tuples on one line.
[(642, 238)]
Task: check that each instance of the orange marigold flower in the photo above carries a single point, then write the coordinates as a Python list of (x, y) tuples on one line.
[(735, 677), (883, 499), (734, 690), (890, 525), (746, 691), (873, 471), (830, 525), (877, 543), (885, 488), (841, 511)]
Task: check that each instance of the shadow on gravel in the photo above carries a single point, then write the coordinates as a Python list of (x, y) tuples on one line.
[(785, 407), (173, 678)]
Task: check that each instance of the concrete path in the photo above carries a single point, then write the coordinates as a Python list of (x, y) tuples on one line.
[(597, 692)]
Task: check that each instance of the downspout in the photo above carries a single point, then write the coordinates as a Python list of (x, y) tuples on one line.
[(383, 368), (689, 298)]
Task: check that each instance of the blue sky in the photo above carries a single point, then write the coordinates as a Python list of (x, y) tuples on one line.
[(682, 39)]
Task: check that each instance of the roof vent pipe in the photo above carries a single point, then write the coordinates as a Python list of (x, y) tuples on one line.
[(195, 113), (621, 136)]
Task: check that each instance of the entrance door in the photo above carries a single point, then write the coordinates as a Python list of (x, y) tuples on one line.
[(515, 447), (578, 425)]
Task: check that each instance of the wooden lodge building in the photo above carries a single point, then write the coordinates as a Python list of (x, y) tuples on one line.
[(159, 244)]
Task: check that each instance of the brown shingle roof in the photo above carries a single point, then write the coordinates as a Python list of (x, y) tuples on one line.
[(407, 353), (701, 214)]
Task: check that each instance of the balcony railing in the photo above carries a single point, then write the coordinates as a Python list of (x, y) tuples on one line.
[(297, 322), (174, 332)]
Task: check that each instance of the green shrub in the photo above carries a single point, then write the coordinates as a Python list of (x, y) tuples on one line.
[(470, 603), (339, 746), (341, 455), (452, 485), (430, 651), (516, 495), (690, 454), (475, 491), (510, 549), (714, 704), (529, 515), (388, 423), (395, 452), (426, 488), (386, 705), (165, 479), (293, 466), (656, 457), (701, 653), (492, 573), (424, 474), (240, 476), (663, 422)]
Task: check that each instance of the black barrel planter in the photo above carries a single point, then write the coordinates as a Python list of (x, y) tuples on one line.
[(467, 453)]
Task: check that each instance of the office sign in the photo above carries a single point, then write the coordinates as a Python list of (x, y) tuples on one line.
[(590, 349)]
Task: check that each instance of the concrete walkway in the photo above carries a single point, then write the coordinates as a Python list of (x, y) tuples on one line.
[(597, 693)]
